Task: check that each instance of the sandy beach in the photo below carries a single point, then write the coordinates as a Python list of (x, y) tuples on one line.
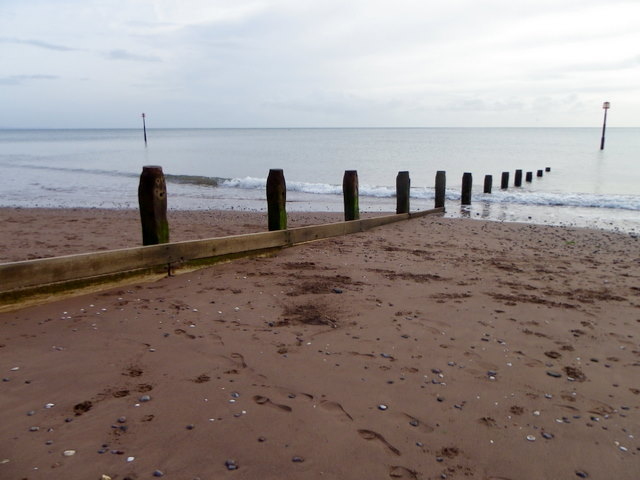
[(428, 349)]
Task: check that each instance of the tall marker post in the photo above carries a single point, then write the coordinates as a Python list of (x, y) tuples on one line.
[(144, 129), (605, 106)]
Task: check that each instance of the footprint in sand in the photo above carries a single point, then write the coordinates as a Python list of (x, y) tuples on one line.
[(260, 400), (398, 471), (336, 409), (414, 422), (371, 435)]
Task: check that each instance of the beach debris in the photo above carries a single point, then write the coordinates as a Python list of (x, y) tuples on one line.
[(130, 459), (105, 477), (382, 407), (531, 438), (231, 464), (49, 405), (69, 453), (14, 369)]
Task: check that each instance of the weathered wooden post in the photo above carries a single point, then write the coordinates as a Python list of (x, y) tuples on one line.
[(539, 173), (441, 187), (152, 199), (529, 177), (517, 182), (276, 200), (350, 192), (466, 189), (504, 183), (547, 169), (488, 183), (403, 189)]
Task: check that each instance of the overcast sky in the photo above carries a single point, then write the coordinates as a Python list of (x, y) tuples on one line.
[(318, 63)]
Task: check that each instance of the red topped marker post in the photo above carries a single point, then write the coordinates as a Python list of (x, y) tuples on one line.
[(605, 106)]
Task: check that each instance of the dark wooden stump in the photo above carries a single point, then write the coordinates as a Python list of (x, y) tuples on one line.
[(403, 189), (466, 188), (539, 174), (529, 177), (152, 199), (504, 182), (276, 200), (350, 192), (441, 187), (547, 169), (488, 183), (518, 179)]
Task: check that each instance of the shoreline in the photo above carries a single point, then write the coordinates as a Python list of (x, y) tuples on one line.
[(424, 348)]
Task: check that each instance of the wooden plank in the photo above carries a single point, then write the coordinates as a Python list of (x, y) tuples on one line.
[(424, 213), (369, 223), (73, 268)]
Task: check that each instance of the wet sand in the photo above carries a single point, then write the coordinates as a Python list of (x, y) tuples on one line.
[(433, 348)]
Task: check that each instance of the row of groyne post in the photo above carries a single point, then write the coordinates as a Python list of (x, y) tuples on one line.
[(152, 197)]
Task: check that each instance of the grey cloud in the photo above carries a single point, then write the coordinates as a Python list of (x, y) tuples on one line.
[(124, 55), (38, 43), (625, 64), (22, 79), (481, 105)]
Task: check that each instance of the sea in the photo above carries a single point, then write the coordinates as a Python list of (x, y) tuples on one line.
[(227, 169)]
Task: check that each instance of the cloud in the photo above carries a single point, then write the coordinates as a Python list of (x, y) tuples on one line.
[(124, 55), (23, 79), (39, 44)]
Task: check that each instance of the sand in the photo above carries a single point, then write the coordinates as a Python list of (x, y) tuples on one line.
[(427, 349)]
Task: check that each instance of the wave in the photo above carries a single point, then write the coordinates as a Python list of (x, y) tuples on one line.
[(585, 200), (520, 197)]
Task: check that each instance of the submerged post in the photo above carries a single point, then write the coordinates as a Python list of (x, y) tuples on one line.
[(488, 183), (350, 192), (276, 200), (466, 188), (517, 182), (547, 169), (403, 189), (529, 177), (441, 186), (504, 183), (539, 173), (152, 199)]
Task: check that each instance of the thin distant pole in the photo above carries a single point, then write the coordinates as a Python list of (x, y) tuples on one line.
[(144, 129), (605, 106)]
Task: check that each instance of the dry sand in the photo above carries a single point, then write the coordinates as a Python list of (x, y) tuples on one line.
[(433, 348)]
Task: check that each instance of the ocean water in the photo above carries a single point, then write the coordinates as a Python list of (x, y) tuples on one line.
[(227, 169)]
